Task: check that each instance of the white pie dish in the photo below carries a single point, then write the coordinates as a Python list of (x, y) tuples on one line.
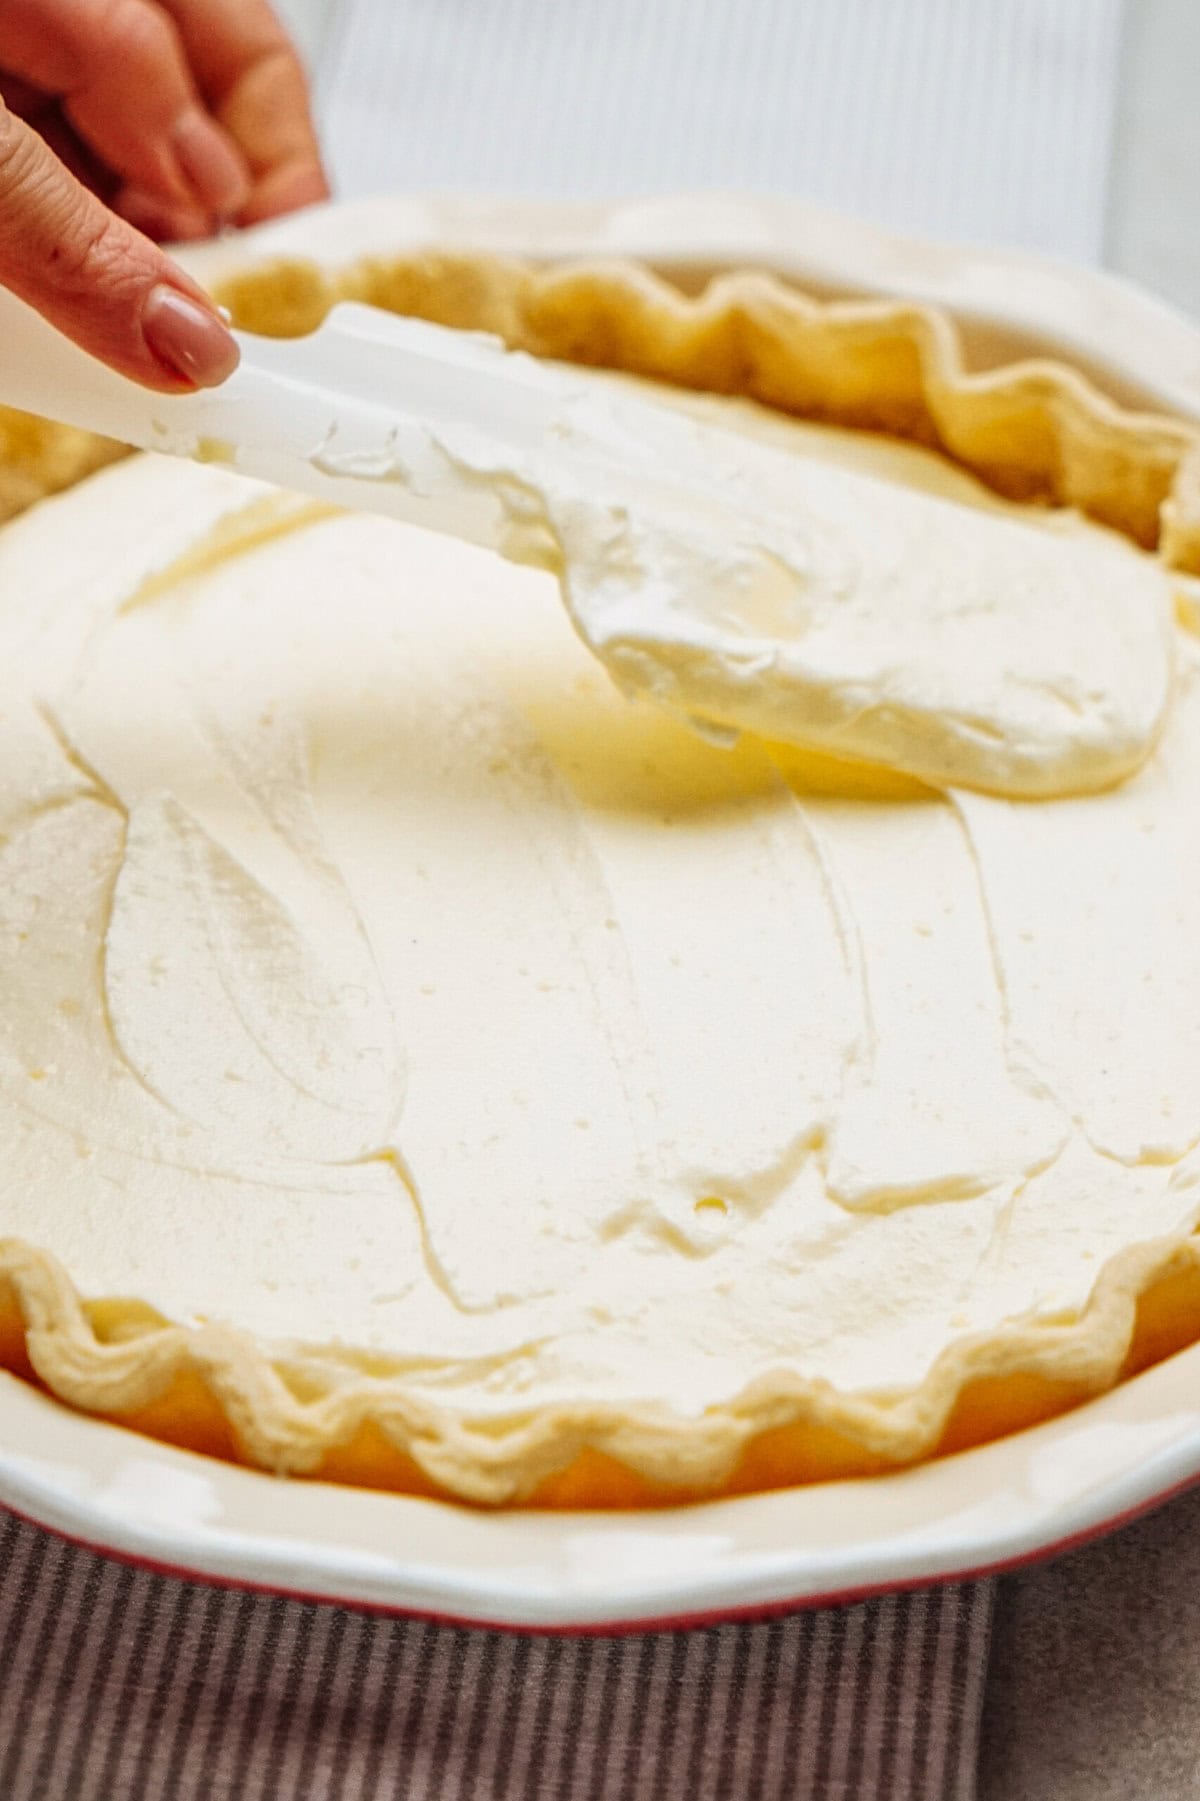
[(986, 1509), (536, 1569)]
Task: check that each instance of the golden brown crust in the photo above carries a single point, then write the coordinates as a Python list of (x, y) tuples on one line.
[(1180, 541), (301, 1413), (1033, 430), (37, 458)]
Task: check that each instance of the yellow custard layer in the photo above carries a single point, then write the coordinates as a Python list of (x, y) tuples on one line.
[(390, 998)]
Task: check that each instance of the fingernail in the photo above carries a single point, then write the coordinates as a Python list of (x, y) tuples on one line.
[(213, 169), (188, 337)]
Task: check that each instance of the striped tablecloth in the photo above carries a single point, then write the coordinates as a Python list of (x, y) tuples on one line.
[(120, 1685)]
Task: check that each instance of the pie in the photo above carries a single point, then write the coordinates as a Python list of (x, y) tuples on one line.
[(425, 1065)]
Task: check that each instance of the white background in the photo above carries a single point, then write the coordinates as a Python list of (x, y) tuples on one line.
[(1150, 207)]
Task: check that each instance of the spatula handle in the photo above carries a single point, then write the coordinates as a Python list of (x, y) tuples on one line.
[(370, 411)]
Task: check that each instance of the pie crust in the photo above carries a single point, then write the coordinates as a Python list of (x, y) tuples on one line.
[(1033, 431)]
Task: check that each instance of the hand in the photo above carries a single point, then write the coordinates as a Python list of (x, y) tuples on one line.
[(172, 116)]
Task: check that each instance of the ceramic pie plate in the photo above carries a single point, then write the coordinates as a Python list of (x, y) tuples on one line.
[(983, 1509)]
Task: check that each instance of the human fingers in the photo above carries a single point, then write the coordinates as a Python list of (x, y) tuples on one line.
[(97, 279), (251, 75), (163, 220), (166, 221), (122, 74), (46, 118)]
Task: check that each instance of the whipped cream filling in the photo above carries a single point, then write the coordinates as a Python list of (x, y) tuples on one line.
[(755, 590), (378, 978)]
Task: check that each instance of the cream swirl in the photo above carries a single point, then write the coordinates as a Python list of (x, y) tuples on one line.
[(760, 591), (377, 977)]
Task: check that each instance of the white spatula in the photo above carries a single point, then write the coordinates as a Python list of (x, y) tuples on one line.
[(740, 585), (355, 413)]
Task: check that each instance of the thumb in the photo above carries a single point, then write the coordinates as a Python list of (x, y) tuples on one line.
[(97, 279)]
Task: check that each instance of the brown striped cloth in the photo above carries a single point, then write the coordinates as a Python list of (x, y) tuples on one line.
[(120, 1685)]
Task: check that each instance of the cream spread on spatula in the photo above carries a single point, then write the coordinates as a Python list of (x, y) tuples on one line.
[(746, 588), (754, 589)]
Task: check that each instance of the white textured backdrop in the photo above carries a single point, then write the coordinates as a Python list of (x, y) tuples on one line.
[(963, 118), (1150, 228)]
